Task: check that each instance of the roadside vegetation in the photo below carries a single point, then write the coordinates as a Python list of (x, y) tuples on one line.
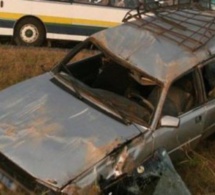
[(18, 64)]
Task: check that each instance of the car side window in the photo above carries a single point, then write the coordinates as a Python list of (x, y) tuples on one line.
[(208, 74), (181, 96)]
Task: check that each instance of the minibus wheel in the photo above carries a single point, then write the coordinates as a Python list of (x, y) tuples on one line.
[(29, 32)]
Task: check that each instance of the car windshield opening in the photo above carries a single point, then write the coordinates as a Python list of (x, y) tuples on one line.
[(118, 87)]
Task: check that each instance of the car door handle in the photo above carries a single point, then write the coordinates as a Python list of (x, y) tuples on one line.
[(198, 119)]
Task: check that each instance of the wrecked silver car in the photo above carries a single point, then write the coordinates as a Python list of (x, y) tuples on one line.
[(109, 104)]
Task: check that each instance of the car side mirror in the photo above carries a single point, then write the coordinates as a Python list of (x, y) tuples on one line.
[(169, 121)]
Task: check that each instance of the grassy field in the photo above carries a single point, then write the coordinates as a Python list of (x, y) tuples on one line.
[(17, 64)]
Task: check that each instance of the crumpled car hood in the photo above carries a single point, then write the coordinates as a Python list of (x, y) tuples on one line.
[(51, 134)]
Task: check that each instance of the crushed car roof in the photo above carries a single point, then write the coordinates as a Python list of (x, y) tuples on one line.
[(163, 45)]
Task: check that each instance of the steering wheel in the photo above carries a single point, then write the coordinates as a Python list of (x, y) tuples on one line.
[(141, 100)]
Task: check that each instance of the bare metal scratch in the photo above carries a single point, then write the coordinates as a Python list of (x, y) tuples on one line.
[(78, 114), (32, 107)]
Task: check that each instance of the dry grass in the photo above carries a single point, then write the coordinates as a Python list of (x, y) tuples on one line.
[(198, 171), (17, 64)]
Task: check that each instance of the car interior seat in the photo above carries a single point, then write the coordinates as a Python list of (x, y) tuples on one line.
[(177, 100), (209, 77), (113, 78)]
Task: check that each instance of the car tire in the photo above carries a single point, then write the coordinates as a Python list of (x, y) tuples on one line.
[(29, 32)]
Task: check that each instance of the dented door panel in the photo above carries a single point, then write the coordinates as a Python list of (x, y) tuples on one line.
[(191, 127)]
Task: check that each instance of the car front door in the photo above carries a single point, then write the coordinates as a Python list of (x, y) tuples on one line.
[(183, 102)]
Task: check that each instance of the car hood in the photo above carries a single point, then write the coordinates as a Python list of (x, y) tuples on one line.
[(51, 134)]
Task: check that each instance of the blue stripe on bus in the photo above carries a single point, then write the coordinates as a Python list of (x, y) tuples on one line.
[(73, 29), (6, 23), (60, 29)]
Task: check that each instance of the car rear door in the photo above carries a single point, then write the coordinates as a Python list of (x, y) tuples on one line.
[(207, 72)]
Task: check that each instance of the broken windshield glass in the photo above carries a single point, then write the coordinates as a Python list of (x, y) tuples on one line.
[(115, 85)]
